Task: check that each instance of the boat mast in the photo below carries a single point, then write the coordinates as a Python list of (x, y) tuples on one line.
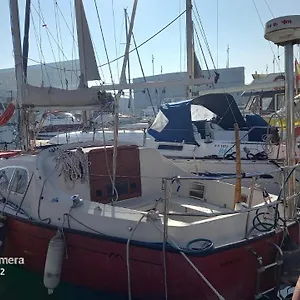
[(18, 57), (189, 45), (26, 37), (131, 101)]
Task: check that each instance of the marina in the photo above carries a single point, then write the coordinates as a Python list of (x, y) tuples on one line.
[(200, 200)]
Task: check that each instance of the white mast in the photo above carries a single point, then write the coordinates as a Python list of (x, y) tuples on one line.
[(16, 39), (189, 44)]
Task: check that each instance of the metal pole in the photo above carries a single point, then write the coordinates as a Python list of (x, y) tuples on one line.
[(152, 64), (166, 218), (238, 183), (189, 43), (16, 39), (128, 65), (26, 37), (227, 62), (290, 129)]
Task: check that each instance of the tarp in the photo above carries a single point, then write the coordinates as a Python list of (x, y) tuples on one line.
[(173, 123), (225, 107)]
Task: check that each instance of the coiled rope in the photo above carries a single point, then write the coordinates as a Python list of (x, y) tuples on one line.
[(73, 164)]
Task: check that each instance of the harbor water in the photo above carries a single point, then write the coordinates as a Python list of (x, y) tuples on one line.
[(19, 284)]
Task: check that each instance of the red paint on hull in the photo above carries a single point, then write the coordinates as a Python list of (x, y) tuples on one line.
[(97, 263)]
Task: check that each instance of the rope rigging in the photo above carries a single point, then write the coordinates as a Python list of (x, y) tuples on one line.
[(147, 40), (48, 33), (202, 51), (202, 31), (115, 38), (122, 56), (72, 164), (40, 51), (58, 36), (49, 37), (104, 43), (143, 73), (262, 24)]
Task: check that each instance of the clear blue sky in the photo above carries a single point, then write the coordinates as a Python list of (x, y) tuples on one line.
[(239, 27)]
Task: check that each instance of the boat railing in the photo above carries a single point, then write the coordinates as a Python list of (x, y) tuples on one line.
[(246, 134), (286, 171)]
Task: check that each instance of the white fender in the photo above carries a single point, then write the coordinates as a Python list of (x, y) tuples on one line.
[(54, 260)]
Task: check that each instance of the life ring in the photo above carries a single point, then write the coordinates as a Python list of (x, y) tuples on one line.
[(7, 114), (279, 78)]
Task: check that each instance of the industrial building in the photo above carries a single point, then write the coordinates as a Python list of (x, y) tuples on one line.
[(229, 77), (60, 74)]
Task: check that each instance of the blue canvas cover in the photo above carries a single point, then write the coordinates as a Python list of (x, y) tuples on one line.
[(173, 122), (179, 127), (256, 134), (225, 108)]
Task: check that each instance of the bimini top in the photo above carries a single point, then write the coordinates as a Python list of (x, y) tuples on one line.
[(174, 122)]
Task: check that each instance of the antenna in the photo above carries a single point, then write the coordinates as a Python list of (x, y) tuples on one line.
[(152, 64), (227, 63), (161, 69)]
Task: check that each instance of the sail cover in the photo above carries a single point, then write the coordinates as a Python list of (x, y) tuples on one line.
[(55, 97), (88, 64), (174, 122)]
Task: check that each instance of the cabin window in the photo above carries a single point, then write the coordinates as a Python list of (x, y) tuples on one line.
[(5, 177), (254, 105), (19, 181), (280, 101), (170, 147), (121, 187), (267, 104), (197, 190)]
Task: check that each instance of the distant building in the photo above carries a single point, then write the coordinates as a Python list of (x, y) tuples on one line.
[(229, 77)]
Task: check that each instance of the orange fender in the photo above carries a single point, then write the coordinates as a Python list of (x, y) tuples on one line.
[(7, 114), (296, 294)]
